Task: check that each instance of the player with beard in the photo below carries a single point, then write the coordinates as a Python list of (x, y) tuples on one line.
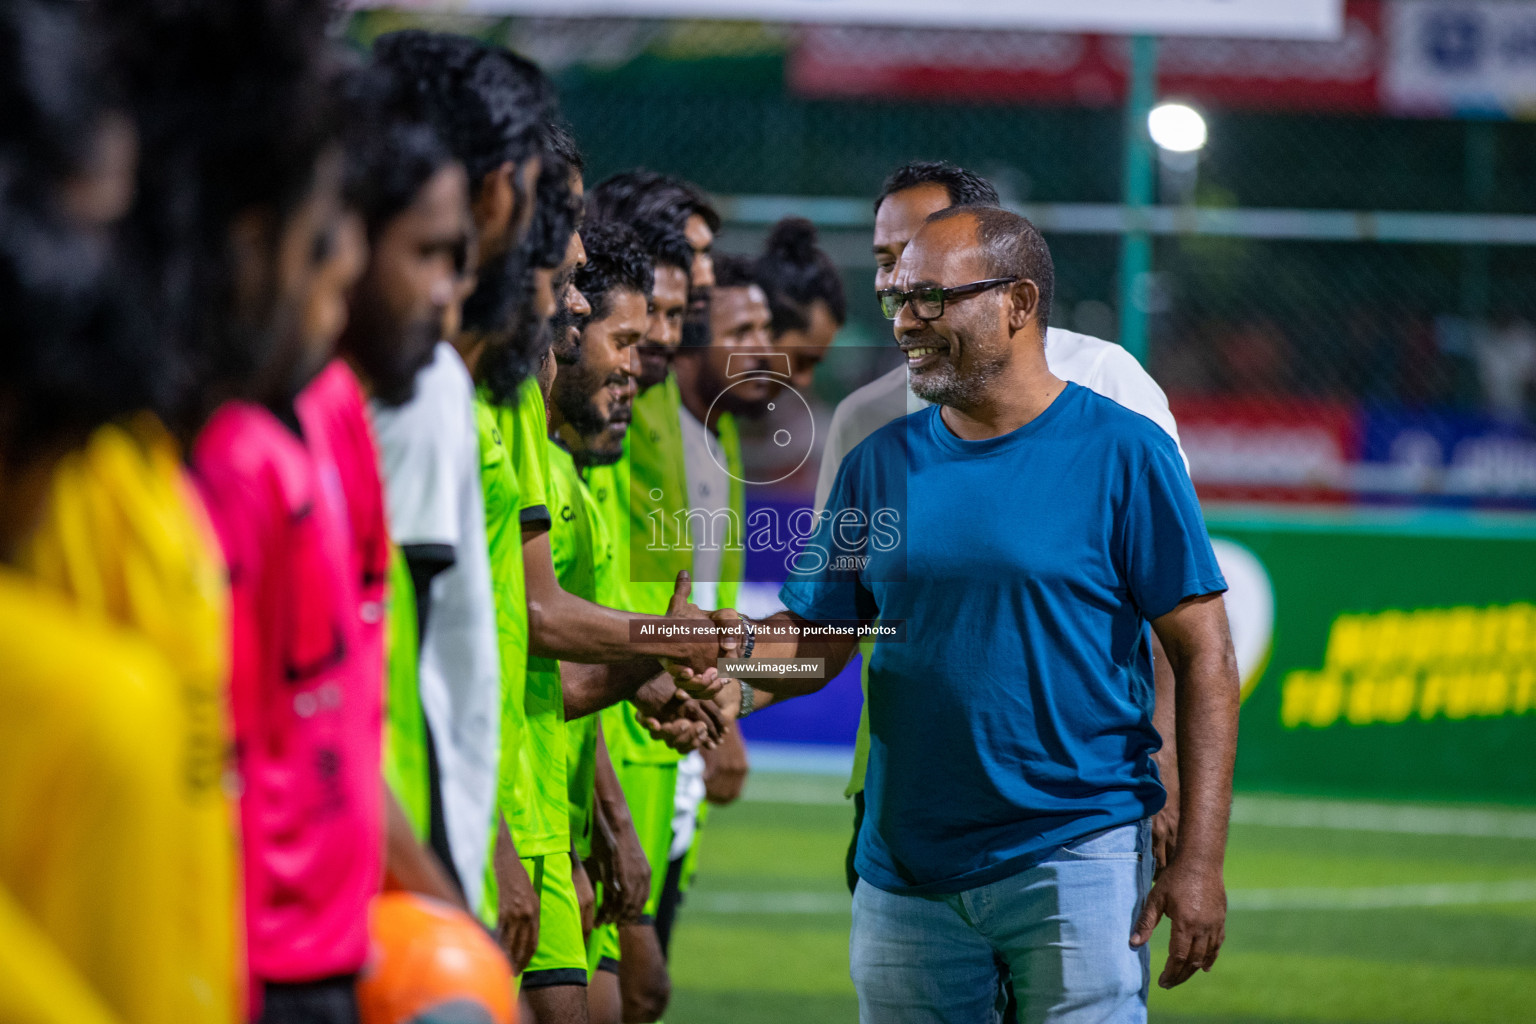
[(488, 107), (593, 394), (588, 418), (644, 763), (561, 627), (658, 205), (731, 339), (660, 208), (117, 897), (411, 197)]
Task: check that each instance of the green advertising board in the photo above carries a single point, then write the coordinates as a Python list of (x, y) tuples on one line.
[(1384, 654)]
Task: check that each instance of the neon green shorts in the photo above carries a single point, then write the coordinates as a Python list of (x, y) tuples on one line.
[(649, 790), (691, 858), (603, 949), (561, 958)]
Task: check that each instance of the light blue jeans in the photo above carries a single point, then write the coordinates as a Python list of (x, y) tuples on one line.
[(1063, 927)]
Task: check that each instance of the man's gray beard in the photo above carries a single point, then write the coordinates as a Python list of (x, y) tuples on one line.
[(943, 385)]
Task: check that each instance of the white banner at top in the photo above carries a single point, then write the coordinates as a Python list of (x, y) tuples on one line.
[(1273, 19)]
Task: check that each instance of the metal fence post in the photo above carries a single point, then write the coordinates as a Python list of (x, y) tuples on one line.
[(1136, 245)]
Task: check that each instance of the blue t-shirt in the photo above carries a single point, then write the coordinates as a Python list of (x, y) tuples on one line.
[(1016, 715)]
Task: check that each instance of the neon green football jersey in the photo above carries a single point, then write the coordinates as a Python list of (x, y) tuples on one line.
[(577, 541), (610, 488), (531, 784), (405, 727)]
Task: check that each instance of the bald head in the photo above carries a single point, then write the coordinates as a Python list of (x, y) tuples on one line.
[(1008, 246)]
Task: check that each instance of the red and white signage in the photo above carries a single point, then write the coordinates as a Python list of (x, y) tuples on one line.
[(1073, 69), (1269, 19), (1282, 449)]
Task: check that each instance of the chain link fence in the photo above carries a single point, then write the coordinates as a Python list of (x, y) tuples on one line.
[(1312, 348)]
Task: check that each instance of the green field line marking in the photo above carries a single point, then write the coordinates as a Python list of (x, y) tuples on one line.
[(1406, 819), (813, 791), (770, 902), (1370, 897), (1384, 897), (1272, 812)]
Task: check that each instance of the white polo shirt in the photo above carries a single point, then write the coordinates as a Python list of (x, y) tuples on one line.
[(1094, 363), (431, 456)]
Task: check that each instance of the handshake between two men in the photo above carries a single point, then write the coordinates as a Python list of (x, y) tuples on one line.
[(693, 705), (685, 706)]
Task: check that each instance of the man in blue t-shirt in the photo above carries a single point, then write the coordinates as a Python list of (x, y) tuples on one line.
[(1023, 532)]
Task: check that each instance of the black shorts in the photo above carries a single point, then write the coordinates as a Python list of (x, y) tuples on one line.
[(327, 1001)]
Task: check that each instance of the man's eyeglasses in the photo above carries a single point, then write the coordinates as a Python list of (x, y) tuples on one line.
[(928, 302)]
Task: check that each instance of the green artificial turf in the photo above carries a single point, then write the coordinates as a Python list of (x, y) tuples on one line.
[(1329, 924)]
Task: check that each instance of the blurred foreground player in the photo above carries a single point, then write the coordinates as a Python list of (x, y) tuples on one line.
[(1026, 648), (123, 538), (411, 199), (305, 697), (93, 744)]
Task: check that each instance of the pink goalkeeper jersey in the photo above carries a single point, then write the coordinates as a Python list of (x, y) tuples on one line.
[(305, 693), (334, 415)]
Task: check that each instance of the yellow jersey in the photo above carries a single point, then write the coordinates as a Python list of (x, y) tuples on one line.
[(40, 985), (93, 798), (125, 541)]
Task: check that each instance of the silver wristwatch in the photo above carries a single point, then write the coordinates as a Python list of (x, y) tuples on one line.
[(748, 696), (751, 642)]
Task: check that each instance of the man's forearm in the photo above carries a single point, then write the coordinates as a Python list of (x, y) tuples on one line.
[(408, 864), (562, 625), (1207, 731), (590, 688), (1206, 705), (1164, 719), (610, 794), (835, 653)]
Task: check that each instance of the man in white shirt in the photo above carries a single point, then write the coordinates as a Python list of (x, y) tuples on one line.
[(723, 371), (431, 462), (908, 197)]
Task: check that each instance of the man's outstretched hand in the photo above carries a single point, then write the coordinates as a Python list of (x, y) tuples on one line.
[(1193, 897), (697, 673), (676, 719)]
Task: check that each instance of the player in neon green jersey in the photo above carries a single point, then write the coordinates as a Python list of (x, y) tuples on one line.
[(616, 283), (531, 788), (565, 626), (591, 410), (653, 480)]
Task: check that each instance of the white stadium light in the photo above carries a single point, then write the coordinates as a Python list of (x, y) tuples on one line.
[(1177, 127)]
